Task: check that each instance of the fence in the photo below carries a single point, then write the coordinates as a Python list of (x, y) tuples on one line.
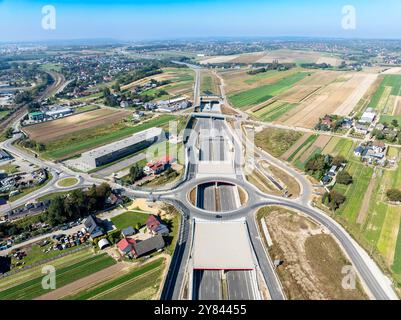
[(12, 272)]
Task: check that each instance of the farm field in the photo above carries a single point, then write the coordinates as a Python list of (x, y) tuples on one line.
[(366, 212), (32, 288), (52, 130), (141, 283), (180, 83), (272, 111), (339, 94), (248, 98), (283, 55), (386, 98), (73, 144)]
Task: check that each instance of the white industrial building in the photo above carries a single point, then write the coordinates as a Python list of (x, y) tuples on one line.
[(117, 150)]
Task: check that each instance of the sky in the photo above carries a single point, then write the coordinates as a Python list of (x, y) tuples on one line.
[(21, 20)]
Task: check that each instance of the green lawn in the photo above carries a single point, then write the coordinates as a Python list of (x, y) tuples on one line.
[(126, 286), (67, 182), (129, 219), (64, 275), (264, 93), (87, 108), (88, 139)]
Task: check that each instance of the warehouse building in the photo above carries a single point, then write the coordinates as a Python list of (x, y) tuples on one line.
[(117, 150)]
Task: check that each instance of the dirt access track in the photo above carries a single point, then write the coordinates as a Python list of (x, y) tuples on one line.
[(53, 130)]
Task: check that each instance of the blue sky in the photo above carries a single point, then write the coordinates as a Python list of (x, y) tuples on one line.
[(20, 20)]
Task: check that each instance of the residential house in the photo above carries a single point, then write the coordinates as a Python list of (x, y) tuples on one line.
[(361, 128), (94, 227), (136, 249), (155, 226), (378, 146), (127, 232), (125, 246), (368, 116), (358, 151)]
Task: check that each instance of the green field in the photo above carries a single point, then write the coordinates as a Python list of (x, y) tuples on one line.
[(129, 219), (88, 139), (139, 283), (263, 93), (274, 111), (382, 94), (64, 275), (368, 216), (387, 119)]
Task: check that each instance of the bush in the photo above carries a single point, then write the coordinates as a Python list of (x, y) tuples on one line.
[(344, 177), (335, 199), (394, 195)]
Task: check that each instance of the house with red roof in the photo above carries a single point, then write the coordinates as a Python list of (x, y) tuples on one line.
[(155, 226), (125, 246), (158, 166)]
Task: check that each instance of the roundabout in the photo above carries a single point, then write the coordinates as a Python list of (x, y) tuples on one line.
[(69, 182)]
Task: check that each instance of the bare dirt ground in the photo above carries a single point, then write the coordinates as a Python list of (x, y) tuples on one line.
[(366, 81), (312, 260), (52, 130)]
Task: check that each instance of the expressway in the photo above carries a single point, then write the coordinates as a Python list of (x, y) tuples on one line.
[(239, 285), (208, 285), (377, 284)]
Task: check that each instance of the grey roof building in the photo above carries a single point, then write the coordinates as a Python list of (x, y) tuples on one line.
[(116, 150), (148, 245), (93, 226)]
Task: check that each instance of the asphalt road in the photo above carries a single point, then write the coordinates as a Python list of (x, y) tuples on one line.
[(227, 197), (239, 285), (371, 275), (207, 285)]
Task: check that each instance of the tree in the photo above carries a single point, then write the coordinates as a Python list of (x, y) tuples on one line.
[(338, 161), (394, 195), (336, 199), (343, 177), (394, 123), (136, 173)]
